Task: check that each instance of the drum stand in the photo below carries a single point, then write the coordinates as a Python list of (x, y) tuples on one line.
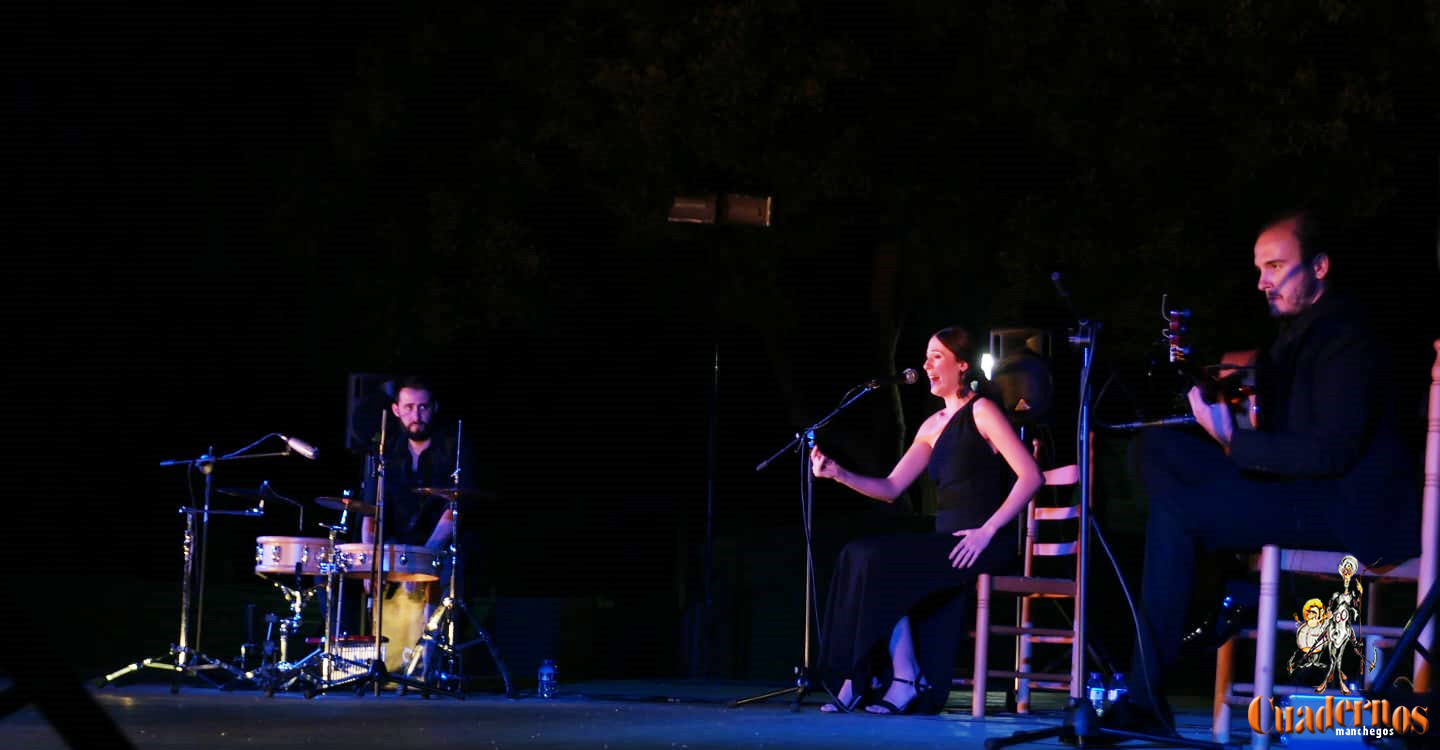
[(289, 626), (276, 671), (184, 659), (334, 570)]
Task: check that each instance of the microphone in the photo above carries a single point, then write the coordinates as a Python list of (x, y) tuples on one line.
[(1162, 422), (300, 446), (907, 377)]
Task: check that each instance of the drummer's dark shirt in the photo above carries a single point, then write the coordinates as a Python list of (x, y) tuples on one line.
[(410, 518)]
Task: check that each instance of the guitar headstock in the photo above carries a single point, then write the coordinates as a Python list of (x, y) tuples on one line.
[(1175, 331)]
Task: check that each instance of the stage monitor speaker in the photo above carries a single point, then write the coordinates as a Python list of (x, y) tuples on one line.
[(367, 395), (1022, 374)]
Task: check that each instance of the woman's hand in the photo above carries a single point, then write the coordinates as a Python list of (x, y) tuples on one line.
[(968, 550), (822, 465)]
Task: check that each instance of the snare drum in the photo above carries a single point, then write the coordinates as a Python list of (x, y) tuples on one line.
[(280, 554), (403, 562)]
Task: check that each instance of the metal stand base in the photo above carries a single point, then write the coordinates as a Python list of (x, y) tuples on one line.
[(272, 676), (376, 679), (800, 689), (437, 640), (195, 666)]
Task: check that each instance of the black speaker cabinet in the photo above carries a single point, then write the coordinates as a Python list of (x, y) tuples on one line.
[(368, 396)]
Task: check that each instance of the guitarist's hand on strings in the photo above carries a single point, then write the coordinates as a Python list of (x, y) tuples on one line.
[(1214, 418)]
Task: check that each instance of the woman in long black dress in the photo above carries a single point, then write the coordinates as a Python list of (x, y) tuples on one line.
[(896, 604)]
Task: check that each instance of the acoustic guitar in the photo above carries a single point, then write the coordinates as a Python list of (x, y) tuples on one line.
[(1232, 382)]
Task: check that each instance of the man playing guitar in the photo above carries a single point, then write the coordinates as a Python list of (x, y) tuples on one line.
[(1324, 468)]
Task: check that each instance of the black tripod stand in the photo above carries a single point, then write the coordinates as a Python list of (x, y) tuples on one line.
[(803, 442), (185, 659), (440, 634), (440, 629), (1081, 725)]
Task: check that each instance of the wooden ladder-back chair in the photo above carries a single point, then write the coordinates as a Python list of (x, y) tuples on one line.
[(1030, 588), (1272, 560)]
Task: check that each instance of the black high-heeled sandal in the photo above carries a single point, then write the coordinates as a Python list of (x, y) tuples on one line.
[(856, 696), (836, 707), (893, 710)]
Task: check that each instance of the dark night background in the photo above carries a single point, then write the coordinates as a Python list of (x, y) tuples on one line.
[(220, 212)]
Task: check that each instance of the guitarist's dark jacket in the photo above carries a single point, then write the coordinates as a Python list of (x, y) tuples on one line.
[(1327, 415)]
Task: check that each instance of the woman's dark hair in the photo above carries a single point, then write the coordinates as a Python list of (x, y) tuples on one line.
[(957, 340)]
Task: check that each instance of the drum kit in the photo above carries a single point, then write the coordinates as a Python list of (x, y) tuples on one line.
[(341, 659), (338, 660)]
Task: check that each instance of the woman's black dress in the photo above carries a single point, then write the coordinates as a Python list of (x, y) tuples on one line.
[(877, 581)]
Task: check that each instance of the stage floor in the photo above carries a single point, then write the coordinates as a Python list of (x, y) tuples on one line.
[(596, 714)]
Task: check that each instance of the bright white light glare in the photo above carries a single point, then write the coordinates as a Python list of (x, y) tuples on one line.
[(987, 364)]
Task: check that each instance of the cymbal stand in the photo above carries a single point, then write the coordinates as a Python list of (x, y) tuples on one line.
[(377, 675), (440, 629), (185, 659), (802, 444)]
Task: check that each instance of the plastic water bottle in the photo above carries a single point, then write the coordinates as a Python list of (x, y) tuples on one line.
[(548, 683), (1117, 690), (1095, 690)]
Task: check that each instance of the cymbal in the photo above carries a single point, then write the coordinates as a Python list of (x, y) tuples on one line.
[(354, 505), (451, 493), (263, 492)]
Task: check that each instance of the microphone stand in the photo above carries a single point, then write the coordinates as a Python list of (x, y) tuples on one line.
[(1080, 725), (185, 659), (802, 443)]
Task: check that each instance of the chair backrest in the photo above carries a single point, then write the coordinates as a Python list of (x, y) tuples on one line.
[(1064, 476)]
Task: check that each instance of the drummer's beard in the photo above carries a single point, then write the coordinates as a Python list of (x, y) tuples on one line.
[(418, 431)]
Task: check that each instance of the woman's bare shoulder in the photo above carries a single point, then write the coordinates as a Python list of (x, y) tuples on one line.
[(931, 426)]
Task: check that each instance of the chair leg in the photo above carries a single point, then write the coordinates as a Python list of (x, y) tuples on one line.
[(1022, 660), (1427, 638), (1224, 667), (982, 645), (1265, 639)]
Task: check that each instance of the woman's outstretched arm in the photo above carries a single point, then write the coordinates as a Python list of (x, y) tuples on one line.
[(886, 488)]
